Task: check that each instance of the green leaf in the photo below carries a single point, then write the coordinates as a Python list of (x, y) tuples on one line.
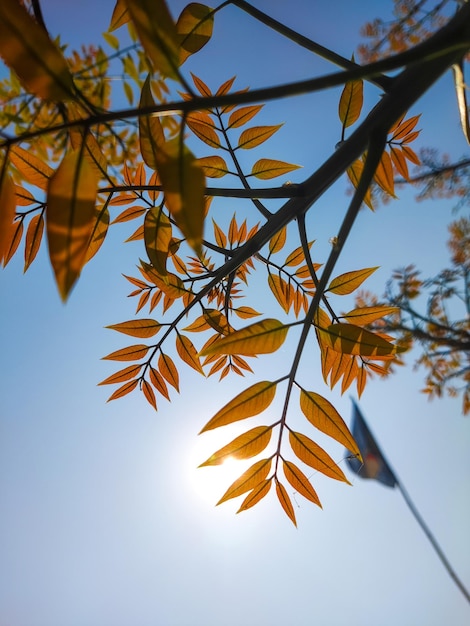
[(259, 338), (348, 282), (245, 446), (252, 401)]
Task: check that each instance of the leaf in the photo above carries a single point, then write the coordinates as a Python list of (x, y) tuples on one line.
[(7, 214), (120, 15), (157, 236), (194, 28), (149, 394), (351, 339), (245, 446), (354, 173), (257, 494), (348, 282), (285, 501), (131, 353), (277, 242), (203, 127), (124, 374), (245, 312), (151, 136), (249, 480), (242, 115), (31, 168), (297, 256), (367, 314), (261, 337), (157, 381), (137, 328), (168, 370), (311, 454), (399, 162), (405, 128), (14, 235), (188, 353), (281, 291), (350, 103), (99, 232), (157, 34), (26, 48), (124, 390), (213, 166), (252, 137), (70, 218), (217, 320), (384, 174), (33, 239), (265, 169), (323, 415), (252, 401), (300, 482)]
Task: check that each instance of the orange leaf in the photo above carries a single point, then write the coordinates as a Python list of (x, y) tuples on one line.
[(354, 173), (7, 214), (249, 480), (203, 127), (348, 282), (188, 353), (245, 312), (157, 381), (257, 494), (194, 28), (131, 213), (252, 137), (384, 174), (405, 127), (323, 415), (124, 390), (120, 15), (70, 218), (261, 337), (297, 256), (265, 169), (157, 236), (285, 501), (281, 291), (99, 232), (242, 115), (399, 162), (367, 314), (351, 339), (124, 374), (245, 446), (311, 454), (33, 239), (252, 401), (213, 166), (151, 136), (31, 168), (300, 482), (149, 394), (137, 328), (168, 370), (350, 103), (131, 353), (277, 242)]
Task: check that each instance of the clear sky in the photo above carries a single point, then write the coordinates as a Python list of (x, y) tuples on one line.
[(105, 520)]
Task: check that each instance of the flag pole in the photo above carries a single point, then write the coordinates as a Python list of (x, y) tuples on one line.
[(432, 539)]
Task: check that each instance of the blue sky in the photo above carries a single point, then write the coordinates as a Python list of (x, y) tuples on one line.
[(105, 519)]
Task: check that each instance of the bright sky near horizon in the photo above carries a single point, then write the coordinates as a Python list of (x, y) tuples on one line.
[(105, 520)]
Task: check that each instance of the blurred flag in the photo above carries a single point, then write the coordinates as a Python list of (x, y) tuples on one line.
[(375, 466)]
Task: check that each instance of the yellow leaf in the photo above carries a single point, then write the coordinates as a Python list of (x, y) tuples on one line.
[(188, 353), (354, 174), (410, 155), (143, 328), (124, 374), (213, 166), (311, 454), (351, 339), (297, 256), (99, 232), (7, 214), (203, 127), (124, 389), (252, 137), (350, 103), (217, 320), (281, 291), (157, 236), (384, 174), (151, 136), (194, 28), (245, 446), (405, 128), (157, 34), (120, 15), (277, 242), (157, 381), (33, 239), (168, 370), (131, 353), (300, 482), (70, 218), (249, 480), (265, 169), (348, 282), (257, 494), (242, 115), (31, 168), (259, 338), (26, 48), (323, 415), (367, 314), (252, 401), (285, 502)]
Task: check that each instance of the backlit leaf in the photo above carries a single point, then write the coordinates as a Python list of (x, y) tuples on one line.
[(151, 136), (7, 214), (26, 48), (131, 353), (157, 237), (124, 374), (124, 390), (168, 370), (242, 115), (399, 162), (194, 28), (351, 339), (350, 103), (277, 242), (252, 137), (311, 454), (149, 394), (354, 173), (31, 167), (33, 239), (300, 482), (348, 282), (405, 128), (266, 169), (129, 214), (367, 314), (188, 353), (70, 218), (384, 174), (213, 166), (252, 401), (245, 312), (281, 291), (120, 15), (285, 501), (257, 494), (99, 232), (217, 320), (249, 480), (297, 256), (143, 328), (261, 337), (323, 415), (157, 34), (203, 127), (245, 446)]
